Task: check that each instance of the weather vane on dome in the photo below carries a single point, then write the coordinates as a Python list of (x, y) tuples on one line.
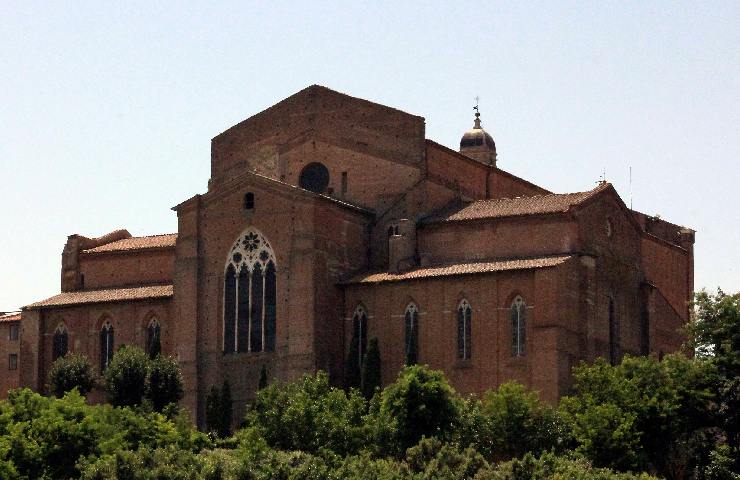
[(477, 112)]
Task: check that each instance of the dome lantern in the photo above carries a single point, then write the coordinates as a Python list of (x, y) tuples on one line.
[(477, 144)]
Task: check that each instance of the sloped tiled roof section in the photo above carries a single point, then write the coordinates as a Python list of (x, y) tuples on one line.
[(137, 243), (462, 269), (10, 317), (105, 296), (514, 207)]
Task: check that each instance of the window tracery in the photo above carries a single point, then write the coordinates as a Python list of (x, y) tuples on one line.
[(358, 345), (153, 338), (518, 327), (411, 321), (464, 330), (60, 342), (106, 345), (250, 295)]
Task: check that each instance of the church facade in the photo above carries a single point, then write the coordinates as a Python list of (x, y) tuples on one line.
[(331, 220)]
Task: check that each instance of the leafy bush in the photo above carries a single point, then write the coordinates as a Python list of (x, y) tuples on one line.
[(71, 371), (164, 384), (640, 414), (371, 373), (126, 376), (550, 467), (308, 415), (517, 422), (419, 404)]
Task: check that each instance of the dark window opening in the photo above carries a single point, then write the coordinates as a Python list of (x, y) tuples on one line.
[(229, 309), (344, 183), (518, 328), (14, 328), (249, 201), (314, 177), (153, 338), (243, 310), (255, 331), (270, 306), (613, 334), (13, 361), (82, 280), (464, 333), (106, 346), (411, 318), (60, 343)]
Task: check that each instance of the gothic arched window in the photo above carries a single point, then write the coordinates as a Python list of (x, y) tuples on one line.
[(464, 330), (60, 342), (613, 334), (518, 327), (106, 345), (153, 338), (411, 323), (357, 348), (250, 295)]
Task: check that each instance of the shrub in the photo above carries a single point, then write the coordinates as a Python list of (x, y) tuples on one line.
[(126, 376), (517, 422), (164, 383), (419, 404), (308, 415), (71, 371), (371, 370)]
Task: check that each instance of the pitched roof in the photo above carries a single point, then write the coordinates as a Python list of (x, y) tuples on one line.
[(137, 243), (462, 269), (514, 207), (104, 296), (10, 317)]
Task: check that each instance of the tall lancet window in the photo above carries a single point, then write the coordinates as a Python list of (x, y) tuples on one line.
[(106, 345), (518, 327), (60, 342), (464, 330), (153, 338), (613, 334), (357, 348), (250, 295), (411, 322)]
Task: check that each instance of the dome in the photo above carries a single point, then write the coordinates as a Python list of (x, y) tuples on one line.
[(477, 144), (476, 137)]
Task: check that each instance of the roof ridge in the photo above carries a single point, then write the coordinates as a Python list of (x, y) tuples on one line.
[(146, 236), (594, 190)]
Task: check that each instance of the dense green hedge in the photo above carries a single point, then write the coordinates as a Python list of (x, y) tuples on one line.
[(673, 418)]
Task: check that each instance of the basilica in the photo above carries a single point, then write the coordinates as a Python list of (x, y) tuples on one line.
[(330, 221)]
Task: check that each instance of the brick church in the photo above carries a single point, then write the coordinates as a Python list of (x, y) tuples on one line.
[(331, 220)]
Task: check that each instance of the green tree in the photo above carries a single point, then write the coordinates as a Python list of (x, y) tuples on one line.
[(71, 371), (126, 376), (641, 414), (420, 403), (227, 410), (353, 368), (309, 415), (164, 383), (213, 410), (371, 373), (714, 334), (517, 422), (263, 378)]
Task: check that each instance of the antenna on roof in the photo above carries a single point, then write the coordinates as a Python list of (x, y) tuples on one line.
[(630, 187), (602, 177)]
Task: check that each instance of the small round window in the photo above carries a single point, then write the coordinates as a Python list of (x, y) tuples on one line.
[(314, 177)]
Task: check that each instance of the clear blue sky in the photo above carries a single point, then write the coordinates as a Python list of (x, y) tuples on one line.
[(107, 108)]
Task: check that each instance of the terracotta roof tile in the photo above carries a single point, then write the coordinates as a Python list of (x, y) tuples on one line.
[(462, 269), (10, 317), (104, 296), (137, 243), (512, 207)]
